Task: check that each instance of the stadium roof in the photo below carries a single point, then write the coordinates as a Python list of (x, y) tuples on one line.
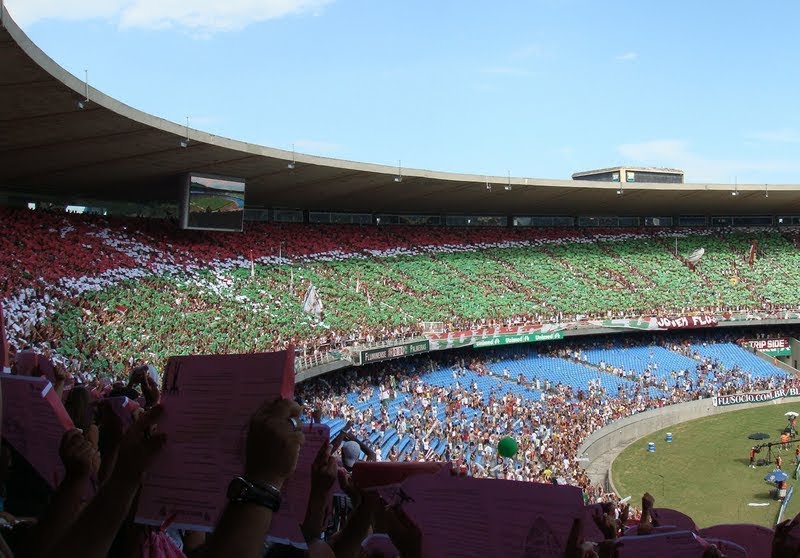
[(110, 151)]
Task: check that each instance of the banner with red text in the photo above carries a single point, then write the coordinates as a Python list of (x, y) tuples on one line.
[(659, 323)]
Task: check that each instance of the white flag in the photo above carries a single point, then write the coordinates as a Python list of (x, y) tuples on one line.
[(312, 303), (695, 256)]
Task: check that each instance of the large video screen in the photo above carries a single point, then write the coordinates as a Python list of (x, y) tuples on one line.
[(213, 203)]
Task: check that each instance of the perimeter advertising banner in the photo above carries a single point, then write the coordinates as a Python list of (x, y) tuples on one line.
[(755, 397), (772, 347), (657, 323), (395, 351), (486, 337), (515, 339)]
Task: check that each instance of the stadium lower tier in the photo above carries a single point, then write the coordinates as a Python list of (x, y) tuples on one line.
[(458, 407)]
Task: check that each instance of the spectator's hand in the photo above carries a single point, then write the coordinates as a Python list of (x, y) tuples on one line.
[(138, 376), (273, 443), (624, 513), (606, 523), (150, 391), (79, 453), (323, 470), (139, 446), (647, 502), (60, 373)]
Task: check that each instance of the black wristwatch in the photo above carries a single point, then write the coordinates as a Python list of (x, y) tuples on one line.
[(243, 491)]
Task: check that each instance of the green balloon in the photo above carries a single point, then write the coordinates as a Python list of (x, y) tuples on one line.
[(507, 447)]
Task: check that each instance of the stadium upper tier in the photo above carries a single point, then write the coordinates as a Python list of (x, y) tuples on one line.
[(60, 137), (142, 288)]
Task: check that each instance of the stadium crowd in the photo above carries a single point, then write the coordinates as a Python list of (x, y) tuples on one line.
[(97, 299), (109, 277)]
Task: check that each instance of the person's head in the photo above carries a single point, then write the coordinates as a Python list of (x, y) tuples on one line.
[(350, 454)]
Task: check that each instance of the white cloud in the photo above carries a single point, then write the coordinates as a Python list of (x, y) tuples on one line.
[(786, 135), (211, 15), (677, 154), (26, 12), (201, 17), (628, 56)]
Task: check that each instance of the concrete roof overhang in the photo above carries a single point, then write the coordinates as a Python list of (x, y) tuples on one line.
[(111, 151)]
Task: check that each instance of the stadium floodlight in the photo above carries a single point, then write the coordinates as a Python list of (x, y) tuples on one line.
[(399, 177), (185, 141), (83, 103), (293, 162), (766, 190), (508, 186), (620, 191)]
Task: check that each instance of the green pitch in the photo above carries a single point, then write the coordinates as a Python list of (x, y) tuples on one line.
[(705, 468)]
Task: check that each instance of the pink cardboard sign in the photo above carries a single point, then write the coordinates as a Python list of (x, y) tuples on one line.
[(468, 517), (368, 474), (208, 402), (34, 421), (4, 356), (26, 362), (667, 516), (677, 544), (755, 539)]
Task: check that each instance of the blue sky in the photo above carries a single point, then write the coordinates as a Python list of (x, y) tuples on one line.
[(540, 88)]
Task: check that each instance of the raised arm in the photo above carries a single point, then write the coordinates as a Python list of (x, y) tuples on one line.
[(81, 459), (273, 446), (95, 529)]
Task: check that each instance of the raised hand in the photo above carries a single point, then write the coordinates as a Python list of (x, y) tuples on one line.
[(78, 451), (139, 446), (606, 523), (138, 375), (323, 470), (273, 442), (150, 391)]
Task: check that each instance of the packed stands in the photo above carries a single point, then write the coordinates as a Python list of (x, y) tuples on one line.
[(108, 294), (561, 392), (74, 277)]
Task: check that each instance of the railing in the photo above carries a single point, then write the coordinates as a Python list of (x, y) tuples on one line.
[(307, 362)]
